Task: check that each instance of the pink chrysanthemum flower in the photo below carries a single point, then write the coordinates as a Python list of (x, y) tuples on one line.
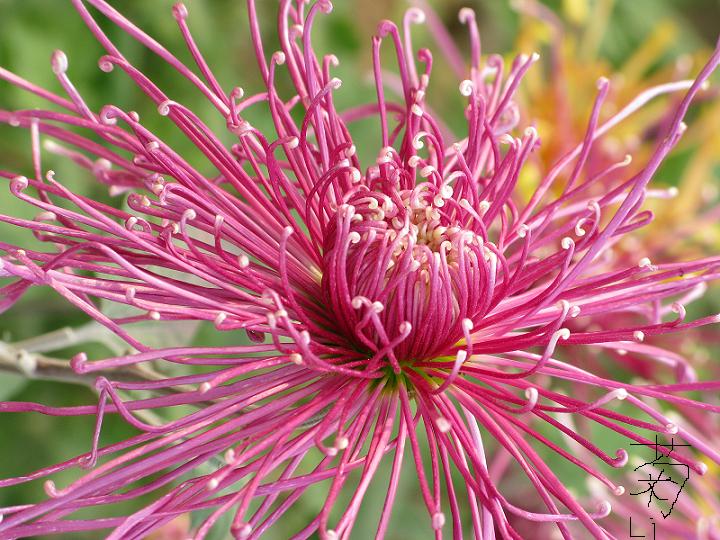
[(414, 309)]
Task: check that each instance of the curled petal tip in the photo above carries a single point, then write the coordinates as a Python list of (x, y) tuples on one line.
[(415, 15), (241, 531), (19, 184), (385, 27), (106, 63), (621, 458), (59, 62), (78, 363), (180, 11), (466, 15)]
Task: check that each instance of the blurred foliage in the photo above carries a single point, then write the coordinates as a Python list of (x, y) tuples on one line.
[(31, 29)]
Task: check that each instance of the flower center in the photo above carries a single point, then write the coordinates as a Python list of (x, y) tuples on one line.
[(402, 272)]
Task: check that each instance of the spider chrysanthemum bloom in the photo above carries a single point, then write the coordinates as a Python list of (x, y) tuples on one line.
[(414, 309)]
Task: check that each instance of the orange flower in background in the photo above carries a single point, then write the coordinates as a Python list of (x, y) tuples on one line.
[(559, 92)]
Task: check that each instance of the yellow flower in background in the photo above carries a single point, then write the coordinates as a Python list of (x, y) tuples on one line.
[(560, 90)]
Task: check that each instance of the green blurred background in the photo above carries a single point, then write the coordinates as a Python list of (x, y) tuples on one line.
[(31, 29)]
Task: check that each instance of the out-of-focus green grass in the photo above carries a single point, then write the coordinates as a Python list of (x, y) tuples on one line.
[(31, 29)]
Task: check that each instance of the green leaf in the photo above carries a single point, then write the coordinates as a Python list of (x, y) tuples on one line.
[(11, 384)]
